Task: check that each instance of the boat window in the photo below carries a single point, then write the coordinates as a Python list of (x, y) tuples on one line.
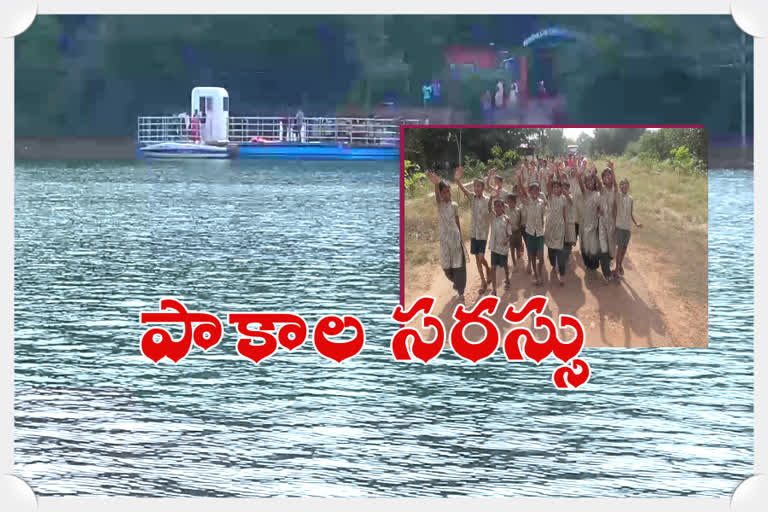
[(226, 104), (202, 105), (209, 103)]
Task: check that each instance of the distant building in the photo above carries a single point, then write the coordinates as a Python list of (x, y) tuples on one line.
[(464, 59), (526, 149)]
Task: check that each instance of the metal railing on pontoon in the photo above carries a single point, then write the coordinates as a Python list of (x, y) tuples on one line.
[(355, 131), (157, 129)]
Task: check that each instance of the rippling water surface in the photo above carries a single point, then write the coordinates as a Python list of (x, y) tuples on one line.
[(96, 244)]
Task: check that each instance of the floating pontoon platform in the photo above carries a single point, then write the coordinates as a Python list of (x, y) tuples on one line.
[(295, 138)]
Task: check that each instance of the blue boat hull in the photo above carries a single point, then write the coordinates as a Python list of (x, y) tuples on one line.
[(316, 152)]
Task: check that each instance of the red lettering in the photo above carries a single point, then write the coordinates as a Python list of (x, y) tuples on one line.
[(206, 334), (566, 378), (423, 350), (476, 351), (333, 326)]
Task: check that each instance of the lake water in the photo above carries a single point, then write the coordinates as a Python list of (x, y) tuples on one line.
[(97, 243)]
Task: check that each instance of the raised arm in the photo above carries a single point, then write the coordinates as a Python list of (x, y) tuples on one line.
[(580, 179), (521, 187), (491, 175), (496, 195), (598, 179), (434, 179), (549, 184), (457, 176)]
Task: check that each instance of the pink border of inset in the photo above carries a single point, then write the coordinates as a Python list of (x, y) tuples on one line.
[(500, 126)]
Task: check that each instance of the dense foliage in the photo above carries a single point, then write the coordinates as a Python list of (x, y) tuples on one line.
[(683, 148), (483, 148), (412, 176), (613, 141), (438, 148), (92, 75)]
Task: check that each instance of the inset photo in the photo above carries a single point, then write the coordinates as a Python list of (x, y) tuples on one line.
[(609, 223)]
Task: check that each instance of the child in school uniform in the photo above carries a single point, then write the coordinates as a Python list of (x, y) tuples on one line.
[(452, 257), (572, 182), (588, 229), (478, 229), (625, 217), (607, 221), (570, 222), (554, 230), (495, 182), (534, 206), (517, 189), (499, 241), (516, 237)]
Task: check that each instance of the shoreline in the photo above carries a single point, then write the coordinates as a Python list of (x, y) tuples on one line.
[(75, 148), (726, 156)]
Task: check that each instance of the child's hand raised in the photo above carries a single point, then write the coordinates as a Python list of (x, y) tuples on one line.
[(458, 174), (433, 177)]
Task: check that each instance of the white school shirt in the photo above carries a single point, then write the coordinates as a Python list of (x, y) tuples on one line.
[(451, 248), (534, 216), (478, 228), (554, 231), (624, 211), (500, 232), (578, 198), (515, 216)]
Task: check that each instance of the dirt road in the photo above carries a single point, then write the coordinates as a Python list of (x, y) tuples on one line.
[(642, 310)]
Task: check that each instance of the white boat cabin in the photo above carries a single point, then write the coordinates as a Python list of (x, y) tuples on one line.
[(211, 104)]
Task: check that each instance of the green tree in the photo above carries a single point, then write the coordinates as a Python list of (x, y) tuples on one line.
[(584, 141)]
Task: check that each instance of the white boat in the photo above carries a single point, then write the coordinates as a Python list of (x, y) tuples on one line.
[(183, 150)]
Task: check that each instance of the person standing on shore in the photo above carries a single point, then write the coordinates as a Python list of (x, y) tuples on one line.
[(426, 94), (478, 229), (542, 90), (486, 102), (499, 96), (452, 257), (512, 98)]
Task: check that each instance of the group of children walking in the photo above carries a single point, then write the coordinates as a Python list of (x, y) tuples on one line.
[(577, 205)]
